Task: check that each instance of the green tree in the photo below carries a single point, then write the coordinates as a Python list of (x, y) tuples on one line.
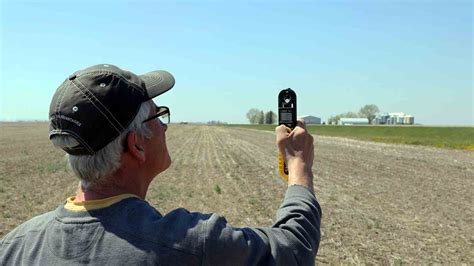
[(369, 111), (270, 117), (333, 119), (261, 118), (349, 115), (253, 115)]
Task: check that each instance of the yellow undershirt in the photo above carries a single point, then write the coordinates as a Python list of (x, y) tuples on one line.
[(90, 205)]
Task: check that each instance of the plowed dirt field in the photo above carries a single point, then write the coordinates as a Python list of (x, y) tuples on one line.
[(382, 203)]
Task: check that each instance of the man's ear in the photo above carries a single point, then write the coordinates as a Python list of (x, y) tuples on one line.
[(135, 146)]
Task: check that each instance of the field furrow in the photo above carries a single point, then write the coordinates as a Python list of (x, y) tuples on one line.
[(382, 203)]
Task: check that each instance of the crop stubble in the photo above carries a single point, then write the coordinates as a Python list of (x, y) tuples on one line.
[(382, 203)]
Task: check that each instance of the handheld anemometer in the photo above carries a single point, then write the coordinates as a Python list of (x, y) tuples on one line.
[(287, 117)]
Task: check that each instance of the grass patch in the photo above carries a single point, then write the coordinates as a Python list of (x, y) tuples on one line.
[(217, 189), (53, 167), (440, 137), (398, 262)]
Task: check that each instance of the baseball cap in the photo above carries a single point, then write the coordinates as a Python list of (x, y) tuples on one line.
[(95, 105)]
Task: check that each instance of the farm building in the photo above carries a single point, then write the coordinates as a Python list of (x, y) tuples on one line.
[(313, 120), (394, 119), (353, 121)]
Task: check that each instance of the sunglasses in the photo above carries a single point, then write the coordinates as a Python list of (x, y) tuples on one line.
[(162, 113)]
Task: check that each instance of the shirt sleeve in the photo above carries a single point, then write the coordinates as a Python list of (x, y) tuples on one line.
[(292, 240)]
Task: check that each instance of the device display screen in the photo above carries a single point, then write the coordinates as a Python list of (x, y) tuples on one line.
[(286, 117)]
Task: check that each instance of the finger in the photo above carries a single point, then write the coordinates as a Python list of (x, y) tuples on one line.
[(281, 132), (281, 129), (300, 123), (299, 129)]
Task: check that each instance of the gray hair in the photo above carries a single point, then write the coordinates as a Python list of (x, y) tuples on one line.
[(92, 169)]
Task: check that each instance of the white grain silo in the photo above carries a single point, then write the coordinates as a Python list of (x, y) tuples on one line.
[(400, 120)]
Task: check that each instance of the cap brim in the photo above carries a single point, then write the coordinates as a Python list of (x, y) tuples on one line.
[(157, 82)]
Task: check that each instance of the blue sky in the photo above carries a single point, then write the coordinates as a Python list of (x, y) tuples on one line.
[(230, 56)]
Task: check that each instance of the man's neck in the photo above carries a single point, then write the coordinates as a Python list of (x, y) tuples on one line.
[(86, 195), (128, 179), (103, 191)]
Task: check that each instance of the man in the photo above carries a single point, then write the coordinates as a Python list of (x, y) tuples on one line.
[(104, 118)]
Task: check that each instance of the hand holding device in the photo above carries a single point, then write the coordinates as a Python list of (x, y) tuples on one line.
[(287, 117)]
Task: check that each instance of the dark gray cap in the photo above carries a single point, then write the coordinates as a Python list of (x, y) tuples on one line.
[(95, 105)]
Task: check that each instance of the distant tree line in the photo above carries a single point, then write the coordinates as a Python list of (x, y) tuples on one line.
[(216, 122), (256, 116), (368, 111)]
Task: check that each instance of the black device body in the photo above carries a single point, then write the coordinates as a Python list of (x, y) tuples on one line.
[(287, 108)]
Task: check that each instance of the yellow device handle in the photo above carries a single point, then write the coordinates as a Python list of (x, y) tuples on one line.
[(282, 167)]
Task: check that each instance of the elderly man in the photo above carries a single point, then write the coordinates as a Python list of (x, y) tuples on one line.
[(104, 118)]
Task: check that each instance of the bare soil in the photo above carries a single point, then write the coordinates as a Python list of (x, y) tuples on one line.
[(382, 203)]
